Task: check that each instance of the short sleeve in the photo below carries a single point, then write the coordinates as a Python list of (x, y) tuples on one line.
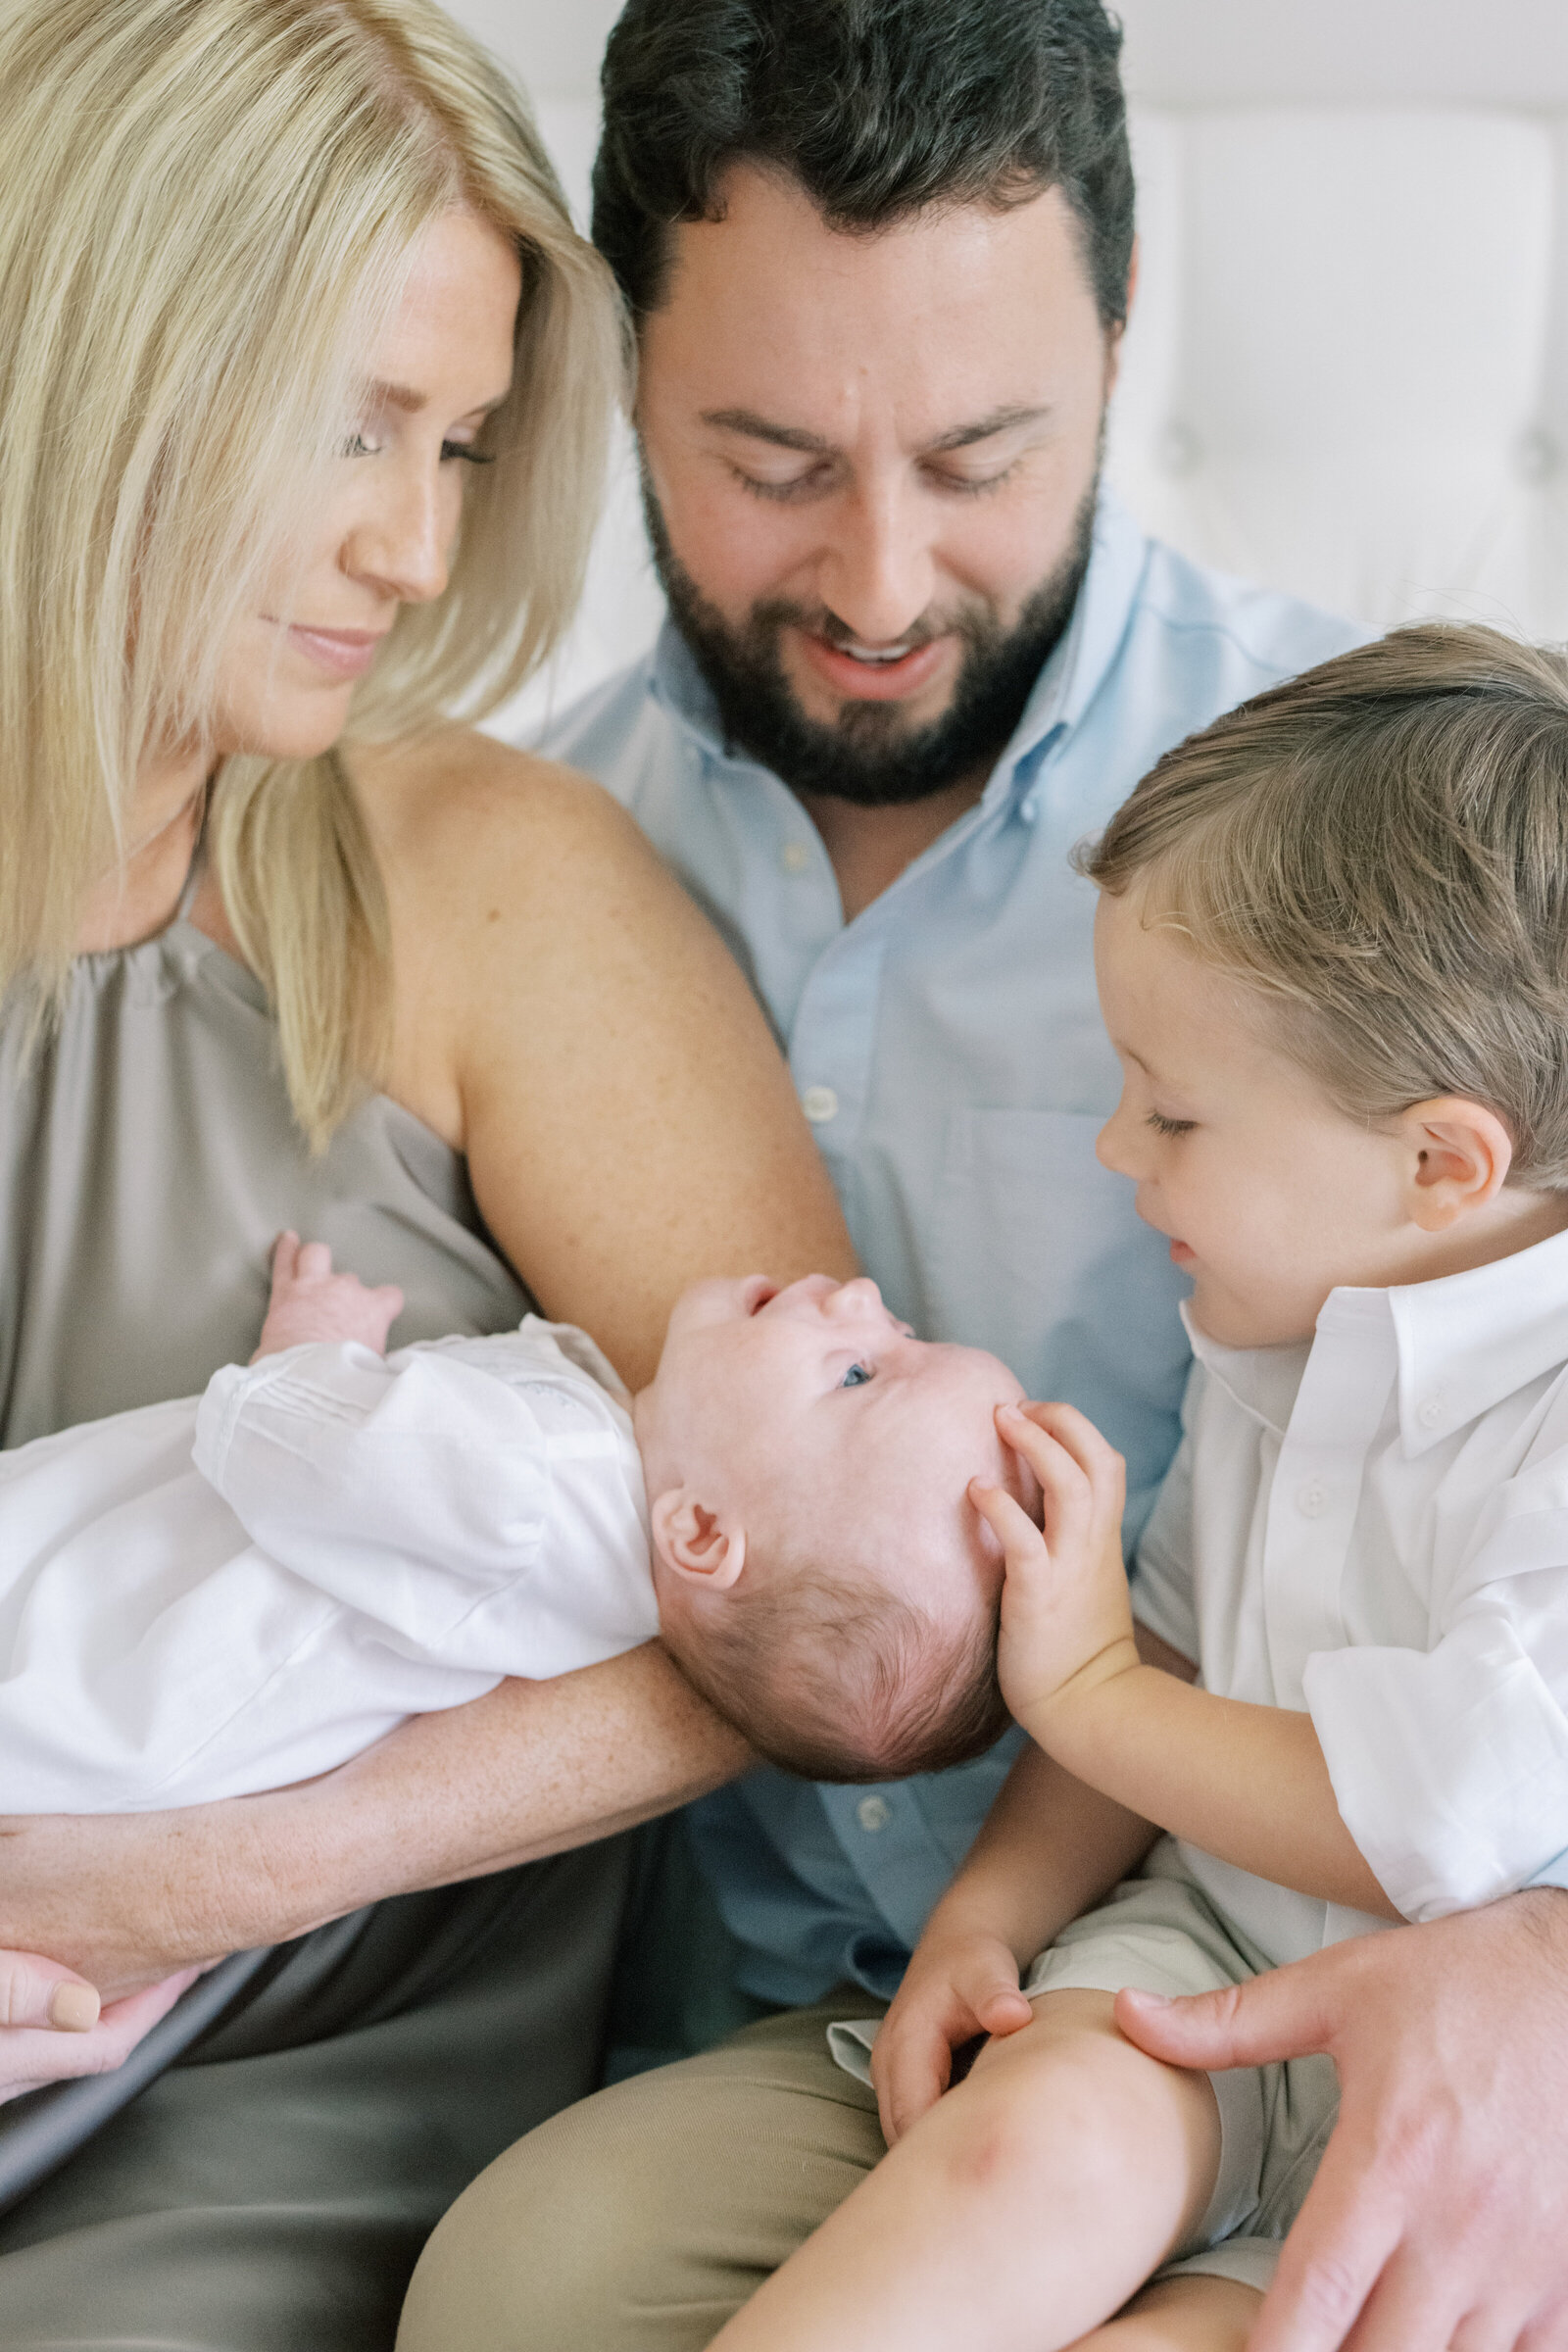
[(1451, 1765)]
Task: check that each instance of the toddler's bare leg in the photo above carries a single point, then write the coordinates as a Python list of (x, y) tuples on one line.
[(1181, 2315), (1021, 2212), (308, 1301)]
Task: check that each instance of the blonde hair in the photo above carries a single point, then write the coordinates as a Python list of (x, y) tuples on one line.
[(1380, 849), (207, 216)]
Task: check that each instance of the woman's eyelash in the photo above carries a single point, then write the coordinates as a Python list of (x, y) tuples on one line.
[(856, 1377), (1163, 1126), (357, 446)]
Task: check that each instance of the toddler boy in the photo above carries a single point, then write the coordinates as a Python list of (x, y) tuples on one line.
[(1332, 948), (357, 1537)]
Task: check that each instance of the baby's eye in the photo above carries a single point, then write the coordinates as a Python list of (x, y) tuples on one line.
[(856, 1377), (1164, 1126)]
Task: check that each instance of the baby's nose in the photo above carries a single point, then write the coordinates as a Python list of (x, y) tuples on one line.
[(854, 1297)]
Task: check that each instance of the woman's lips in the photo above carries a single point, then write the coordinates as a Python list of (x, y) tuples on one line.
[(346, 653), (878, 681)]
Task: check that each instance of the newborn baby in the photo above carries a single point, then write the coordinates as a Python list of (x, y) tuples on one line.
[(230, 1593)]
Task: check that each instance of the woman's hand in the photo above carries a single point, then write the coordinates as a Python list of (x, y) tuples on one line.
[(1066, 1622), (52, 2028), (959, 1985)]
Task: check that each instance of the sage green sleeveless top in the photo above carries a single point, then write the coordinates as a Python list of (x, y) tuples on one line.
[(148, 1160)]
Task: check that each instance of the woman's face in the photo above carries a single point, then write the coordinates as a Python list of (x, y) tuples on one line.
[(383, 534)]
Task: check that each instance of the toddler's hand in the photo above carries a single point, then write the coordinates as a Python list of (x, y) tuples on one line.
[(310, 1301), (957, 1987), (1066, 1621)]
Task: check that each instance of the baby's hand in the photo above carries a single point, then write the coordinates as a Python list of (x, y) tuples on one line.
[(1066, 1621), (958, 1986), (310, 1301)]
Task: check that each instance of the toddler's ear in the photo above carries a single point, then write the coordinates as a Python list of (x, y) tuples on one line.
[(1460, 1154), (697, 1542)]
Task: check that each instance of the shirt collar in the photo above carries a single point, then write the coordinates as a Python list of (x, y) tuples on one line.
[(1066, 685), (1465, 1343), (1470, 1340), (1262, 1381)]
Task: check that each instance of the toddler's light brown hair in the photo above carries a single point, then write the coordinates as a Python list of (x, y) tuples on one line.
[(1380, 848)]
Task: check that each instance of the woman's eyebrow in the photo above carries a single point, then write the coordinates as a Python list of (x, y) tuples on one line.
[(410, 401)]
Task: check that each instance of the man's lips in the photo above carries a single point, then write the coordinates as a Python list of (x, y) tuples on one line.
[(874, 680)]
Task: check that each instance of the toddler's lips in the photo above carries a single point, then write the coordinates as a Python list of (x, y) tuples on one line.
[(1181, 1255)]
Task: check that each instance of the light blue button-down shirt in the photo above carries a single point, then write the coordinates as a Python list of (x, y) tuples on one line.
[(948, 1049)]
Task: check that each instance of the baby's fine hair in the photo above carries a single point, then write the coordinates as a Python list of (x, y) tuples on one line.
[(834, 1678), (1379, 847)]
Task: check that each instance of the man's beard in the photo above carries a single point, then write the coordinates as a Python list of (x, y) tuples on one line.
[(868, 753)]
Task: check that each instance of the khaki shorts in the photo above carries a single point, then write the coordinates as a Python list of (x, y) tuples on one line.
[(1161, 1933)]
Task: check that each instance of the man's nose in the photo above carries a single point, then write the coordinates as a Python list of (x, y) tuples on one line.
[(877, 572)]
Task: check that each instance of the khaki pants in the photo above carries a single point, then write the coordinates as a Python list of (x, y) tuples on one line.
[(641, 2220)]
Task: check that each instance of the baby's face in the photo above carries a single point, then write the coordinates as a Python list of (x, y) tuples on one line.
[(812, 1411)]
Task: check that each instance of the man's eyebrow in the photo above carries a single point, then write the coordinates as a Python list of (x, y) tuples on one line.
[(999, 420), (759, 428), (813, 445)]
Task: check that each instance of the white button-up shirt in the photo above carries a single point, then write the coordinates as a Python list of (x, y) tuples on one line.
[(1375, 1530), (358, 1539)]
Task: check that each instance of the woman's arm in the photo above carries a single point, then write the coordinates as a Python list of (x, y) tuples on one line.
[(569, 1019), (565, 1016), (531, 1770)]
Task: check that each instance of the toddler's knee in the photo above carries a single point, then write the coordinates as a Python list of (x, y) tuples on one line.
[(1054, 2114)]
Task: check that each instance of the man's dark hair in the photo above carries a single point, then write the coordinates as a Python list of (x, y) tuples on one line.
[(876, 108)]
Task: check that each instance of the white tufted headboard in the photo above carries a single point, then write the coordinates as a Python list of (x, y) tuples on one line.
[(1347, 372)]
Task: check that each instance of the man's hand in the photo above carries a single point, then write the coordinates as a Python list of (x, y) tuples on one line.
[(1438, 2216), (51, 2028), (955, 1987), (1066, 1622)]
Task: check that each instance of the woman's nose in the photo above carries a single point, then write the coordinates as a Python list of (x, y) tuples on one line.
[(402, 547)]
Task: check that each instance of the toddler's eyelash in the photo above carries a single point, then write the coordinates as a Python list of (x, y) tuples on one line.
[(1164, 1126), (856, 1377)]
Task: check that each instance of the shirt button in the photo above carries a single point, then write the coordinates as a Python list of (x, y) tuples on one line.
[(1310, 1502), (795, 857), (873, 1813), (1431, 1412), (819, 1103)]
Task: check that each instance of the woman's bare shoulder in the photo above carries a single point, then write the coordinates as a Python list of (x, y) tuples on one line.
[(458, 814)]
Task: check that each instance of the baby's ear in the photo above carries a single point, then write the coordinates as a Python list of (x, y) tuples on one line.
[(697, 1542)]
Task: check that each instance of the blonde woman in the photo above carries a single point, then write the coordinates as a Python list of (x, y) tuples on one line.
[(303, 382)]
